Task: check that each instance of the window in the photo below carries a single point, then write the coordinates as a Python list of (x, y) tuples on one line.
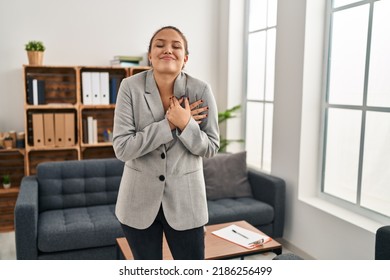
[(261, 36), (356, 157)]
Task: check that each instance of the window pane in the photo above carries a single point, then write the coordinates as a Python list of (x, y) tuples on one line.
[(256, 66), (339, 3), (379, 82), (342, 153), (272, 12), (376, 175), (257, 14), (270, 72), (254, 131), (267, 151), (348, 55)]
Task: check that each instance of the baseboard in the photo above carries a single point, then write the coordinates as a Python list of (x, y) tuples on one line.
[(294, 249)]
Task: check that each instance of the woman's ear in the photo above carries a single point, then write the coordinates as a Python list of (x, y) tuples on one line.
[(185, 61)]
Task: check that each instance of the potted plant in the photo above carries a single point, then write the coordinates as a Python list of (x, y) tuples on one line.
[(35, 51), (6, 181), (223, 116), (7, 142)]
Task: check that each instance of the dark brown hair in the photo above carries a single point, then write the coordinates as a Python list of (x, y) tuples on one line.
[(177, 30)]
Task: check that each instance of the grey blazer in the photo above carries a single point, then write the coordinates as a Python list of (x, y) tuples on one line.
[(162, 167)]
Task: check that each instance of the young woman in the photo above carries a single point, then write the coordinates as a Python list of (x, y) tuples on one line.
[(165, 122)]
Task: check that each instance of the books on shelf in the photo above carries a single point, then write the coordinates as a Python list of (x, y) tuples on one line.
[(86, 87), (119, 63), (104, 88), (69, 130), (95, 85), (241, 236), (53, 129), (90, 127), (49, 131), (38, 130), (126, 60), (114, 88), (35, 91), (90, 131), (59, 127), (96, 88)]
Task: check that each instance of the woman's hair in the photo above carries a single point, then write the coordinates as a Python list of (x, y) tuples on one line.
[(177, 30)]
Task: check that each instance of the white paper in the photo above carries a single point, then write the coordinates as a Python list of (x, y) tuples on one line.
[(247, 238)]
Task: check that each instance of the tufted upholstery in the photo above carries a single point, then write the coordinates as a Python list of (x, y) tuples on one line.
[(60, 230), (78, 183), (244, 208)]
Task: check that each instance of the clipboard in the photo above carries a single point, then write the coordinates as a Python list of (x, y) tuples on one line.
[(243, 237)]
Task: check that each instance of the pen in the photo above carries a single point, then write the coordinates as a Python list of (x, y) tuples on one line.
[(239, 234)]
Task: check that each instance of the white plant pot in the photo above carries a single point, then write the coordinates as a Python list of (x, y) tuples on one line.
[(7, 186)]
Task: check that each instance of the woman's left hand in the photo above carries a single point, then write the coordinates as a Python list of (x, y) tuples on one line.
[(199, 114)]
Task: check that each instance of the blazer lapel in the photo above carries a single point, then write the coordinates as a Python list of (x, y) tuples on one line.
[(152, 97), (179, 89), (152, 94)]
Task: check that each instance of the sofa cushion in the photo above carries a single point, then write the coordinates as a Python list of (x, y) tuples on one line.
[(78, 183), (78, 228), (226, 176), (249, 209)]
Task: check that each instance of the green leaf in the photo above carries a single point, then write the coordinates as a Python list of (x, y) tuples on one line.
[(223, 116), (35, 46), (228, 114)]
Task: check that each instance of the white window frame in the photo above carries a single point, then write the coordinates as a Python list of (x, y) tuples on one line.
[(350, 206), (261, 165)]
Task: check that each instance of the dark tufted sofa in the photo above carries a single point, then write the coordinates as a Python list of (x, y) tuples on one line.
[(66, 211)]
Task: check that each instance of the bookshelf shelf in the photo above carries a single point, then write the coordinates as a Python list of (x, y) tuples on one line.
[(12, 164), (62, 88), (49, 148), (93, 152), (96, 145), (93, 107), (10, 191), (51, 106), (55, 94)]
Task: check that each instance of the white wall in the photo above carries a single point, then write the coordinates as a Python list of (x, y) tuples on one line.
[(309, 227), (91, 32), (231, 67)]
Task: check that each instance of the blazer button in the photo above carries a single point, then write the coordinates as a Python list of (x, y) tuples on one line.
[(162, 177), (162, 155)]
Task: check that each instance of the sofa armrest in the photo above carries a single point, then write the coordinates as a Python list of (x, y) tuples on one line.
[(271, 190), (382, 243), (26, 219)]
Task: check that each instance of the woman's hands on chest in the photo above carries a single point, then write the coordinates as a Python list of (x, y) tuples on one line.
[(180, 111), (176, 114)]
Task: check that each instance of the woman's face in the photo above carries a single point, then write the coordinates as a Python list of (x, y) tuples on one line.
[(167, 54)]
